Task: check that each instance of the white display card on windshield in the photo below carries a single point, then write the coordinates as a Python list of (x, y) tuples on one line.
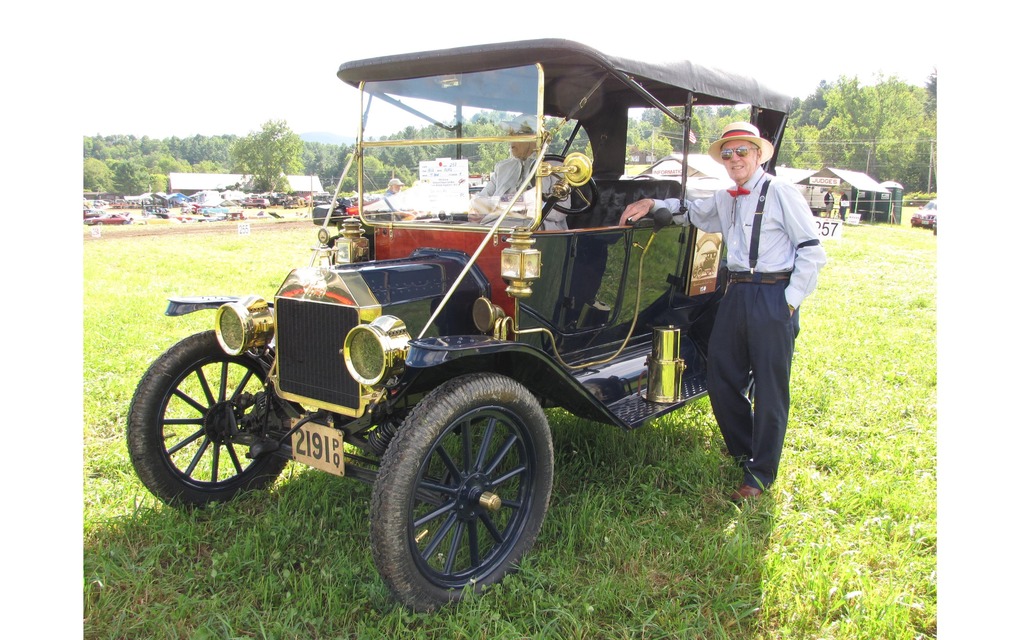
[(448, 184)]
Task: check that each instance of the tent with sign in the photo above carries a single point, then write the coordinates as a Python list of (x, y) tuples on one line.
[(704, 175), (873, 201)]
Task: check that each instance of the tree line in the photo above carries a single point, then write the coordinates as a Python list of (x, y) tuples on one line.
[(886, 130)]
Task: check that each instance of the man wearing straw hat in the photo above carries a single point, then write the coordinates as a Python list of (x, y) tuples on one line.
[(773, 257)]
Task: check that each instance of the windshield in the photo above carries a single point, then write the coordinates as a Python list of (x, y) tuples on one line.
[(459, 150)]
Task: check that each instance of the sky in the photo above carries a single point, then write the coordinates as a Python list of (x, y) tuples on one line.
[(228, 67)]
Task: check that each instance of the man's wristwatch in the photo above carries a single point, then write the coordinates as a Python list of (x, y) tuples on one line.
[(791, 309)]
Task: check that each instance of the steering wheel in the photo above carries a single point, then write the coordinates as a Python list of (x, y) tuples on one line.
[(585, 193)]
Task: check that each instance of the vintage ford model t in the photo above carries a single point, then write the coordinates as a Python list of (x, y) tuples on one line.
[(420, 345)]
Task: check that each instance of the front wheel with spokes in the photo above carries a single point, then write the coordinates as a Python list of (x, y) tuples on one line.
[(462, 490), (192, 420)]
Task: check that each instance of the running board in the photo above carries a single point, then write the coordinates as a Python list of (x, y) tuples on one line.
[(634, 410)]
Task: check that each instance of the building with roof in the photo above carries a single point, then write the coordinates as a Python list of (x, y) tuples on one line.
[(191, 183)]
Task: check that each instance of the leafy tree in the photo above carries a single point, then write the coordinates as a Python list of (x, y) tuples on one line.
[(800, 148), (269, 156), (813, 110), (207, 166), (932, 87), (97, 176), (196, 149), (131, 177), (165, 163), (159, 182), (325, 161)]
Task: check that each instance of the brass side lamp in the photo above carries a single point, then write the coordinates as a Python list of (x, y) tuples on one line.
[(520, 264)]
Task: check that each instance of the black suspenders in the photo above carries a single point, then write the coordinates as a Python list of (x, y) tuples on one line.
[(755, 233)]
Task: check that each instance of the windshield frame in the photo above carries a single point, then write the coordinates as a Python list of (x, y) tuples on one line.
[(507, 215)]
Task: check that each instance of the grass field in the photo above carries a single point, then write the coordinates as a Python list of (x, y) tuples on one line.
[(639, 542)]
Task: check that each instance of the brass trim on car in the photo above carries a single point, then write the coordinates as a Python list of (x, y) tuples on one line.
[(316, 285)]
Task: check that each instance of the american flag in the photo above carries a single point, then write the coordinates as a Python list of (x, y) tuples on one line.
[(693, 137)]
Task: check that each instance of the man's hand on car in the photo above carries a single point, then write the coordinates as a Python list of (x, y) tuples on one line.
[(635, 211)]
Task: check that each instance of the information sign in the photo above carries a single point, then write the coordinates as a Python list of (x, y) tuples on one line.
[(448, 184)]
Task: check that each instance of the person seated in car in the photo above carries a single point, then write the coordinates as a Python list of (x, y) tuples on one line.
[(509, 174)]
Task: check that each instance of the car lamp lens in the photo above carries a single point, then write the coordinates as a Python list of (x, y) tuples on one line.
[(376, 351), (244, 325)]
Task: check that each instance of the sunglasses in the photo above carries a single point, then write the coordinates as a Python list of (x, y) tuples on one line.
[(740, 151)]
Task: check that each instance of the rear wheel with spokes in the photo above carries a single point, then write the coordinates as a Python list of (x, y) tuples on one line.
[(462, 491)]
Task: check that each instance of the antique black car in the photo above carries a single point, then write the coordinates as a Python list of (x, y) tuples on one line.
[(423, 362)]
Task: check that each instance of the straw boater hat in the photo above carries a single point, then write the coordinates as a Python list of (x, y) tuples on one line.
[(741, 131)]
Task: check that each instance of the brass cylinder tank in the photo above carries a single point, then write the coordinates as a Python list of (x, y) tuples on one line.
[(664, 366)]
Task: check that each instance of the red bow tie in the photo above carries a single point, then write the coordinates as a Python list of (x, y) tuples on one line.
[(738, 192)]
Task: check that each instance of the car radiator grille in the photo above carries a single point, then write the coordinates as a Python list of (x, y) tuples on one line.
[(310, 336)]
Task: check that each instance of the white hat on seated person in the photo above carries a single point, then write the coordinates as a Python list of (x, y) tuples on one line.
[(523, 124), (741, 131)]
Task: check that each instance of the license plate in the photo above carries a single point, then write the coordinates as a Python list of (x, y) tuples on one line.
[(320, 447)]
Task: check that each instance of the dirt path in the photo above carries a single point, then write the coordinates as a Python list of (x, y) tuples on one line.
[(194, 228)]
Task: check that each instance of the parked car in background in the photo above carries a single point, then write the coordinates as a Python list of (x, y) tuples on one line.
[(927, 216), (109, 218), (213, 214), (256, 203), (156, 218)]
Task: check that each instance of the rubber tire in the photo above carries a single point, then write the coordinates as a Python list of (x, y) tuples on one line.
[(413, 579), (147, 439)]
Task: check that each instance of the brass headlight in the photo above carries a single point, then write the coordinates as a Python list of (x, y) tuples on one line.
[(486, 314), (244, 325), (376, 351)]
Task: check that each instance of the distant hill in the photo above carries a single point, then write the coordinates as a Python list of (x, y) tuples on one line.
[(327, 138)]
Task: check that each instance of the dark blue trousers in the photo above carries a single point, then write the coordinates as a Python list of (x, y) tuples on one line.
[(753, 337)]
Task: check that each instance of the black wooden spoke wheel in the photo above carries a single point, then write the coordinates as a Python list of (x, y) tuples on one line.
[(191, 422), (462, 491)]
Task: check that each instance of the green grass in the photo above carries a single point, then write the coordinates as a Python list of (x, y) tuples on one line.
[(639, 542)]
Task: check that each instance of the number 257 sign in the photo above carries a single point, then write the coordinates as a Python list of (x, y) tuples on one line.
[(829, 228)]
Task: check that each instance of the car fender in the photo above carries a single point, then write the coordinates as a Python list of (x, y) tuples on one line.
[(431, 361), (185, 305)]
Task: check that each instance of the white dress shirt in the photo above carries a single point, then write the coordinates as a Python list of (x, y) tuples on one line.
[(789, 239)]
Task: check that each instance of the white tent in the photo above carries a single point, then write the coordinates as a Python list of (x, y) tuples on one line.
[(207, 198), (232, 195), (699, 164)]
